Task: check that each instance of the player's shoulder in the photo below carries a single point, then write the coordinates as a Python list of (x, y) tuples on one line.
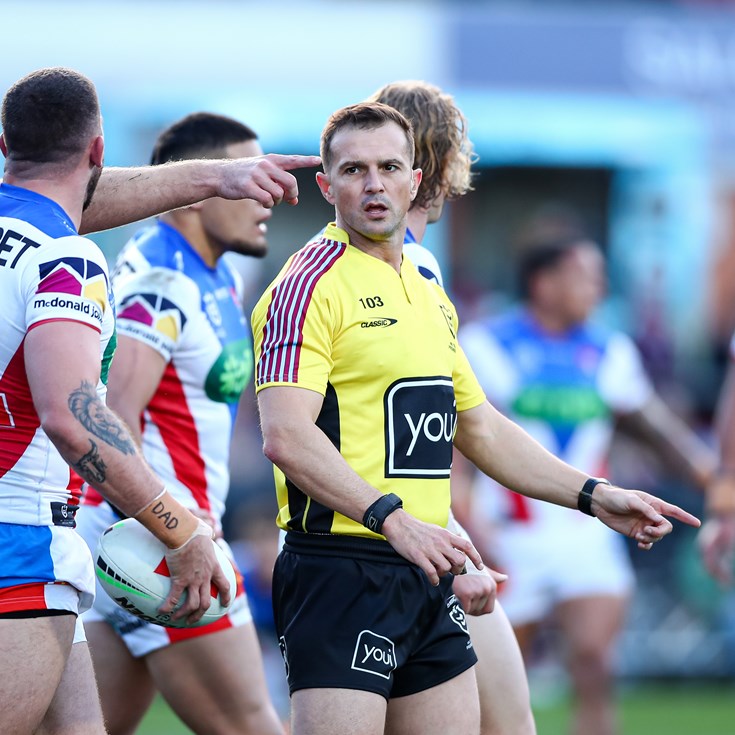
[(34, 214), (73, 253), (424, 261), (305, 278), (136, 280), (318, 257), (157, 279), (150, 262), (158, 245)]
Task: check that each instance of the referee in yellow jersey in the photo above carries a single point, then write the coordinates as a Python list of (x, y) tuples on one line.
[(362, 390)]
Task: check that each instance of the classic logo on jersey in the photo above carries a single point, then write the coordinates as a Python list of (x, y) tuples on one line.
[(154, 311), (387, 322), (230, 373), (420, 421), (374, 654)]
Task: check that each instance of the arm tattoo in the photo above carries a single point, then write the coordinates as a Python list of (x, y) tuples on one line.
[(87, 408), (91, 466)]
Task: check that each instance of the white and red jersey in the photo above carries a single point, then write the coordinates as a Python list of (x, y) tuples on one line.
[(192, 315), (47, 273)]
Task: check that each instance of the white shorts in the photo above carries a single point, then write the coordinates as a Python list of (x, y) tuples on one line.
[(550, 563), (44, 568), (140, 637)]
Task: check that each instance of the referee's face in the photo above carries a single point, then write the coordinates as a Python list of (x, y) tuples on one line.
[(370, 182)]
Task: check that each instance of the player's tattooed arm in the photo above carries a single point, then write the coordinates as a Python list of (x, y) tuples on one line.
[(91, 466), (96, 417)]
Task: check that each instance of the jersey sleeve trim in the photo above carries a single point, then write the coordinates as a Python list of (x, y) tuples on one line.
[(64, 319), (282, 335), (321, 389)]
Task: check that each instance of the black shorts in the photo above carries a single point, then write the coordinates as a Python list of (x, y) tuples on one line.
[(353, 614)]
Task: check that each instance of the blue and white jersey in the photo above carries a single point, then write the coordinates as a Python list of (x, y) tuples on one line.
[(192, 315), (47, 273), (564, 389)]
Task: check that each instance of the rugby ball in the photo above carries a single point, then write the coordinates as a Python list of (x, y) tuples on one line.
[(130, 564)]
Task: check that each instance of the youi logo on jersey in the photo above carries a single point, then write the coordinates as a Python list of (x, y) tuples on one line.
[(420, 421)]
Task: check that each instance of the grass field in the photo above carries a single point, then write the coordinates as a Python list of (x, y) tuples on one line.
[(645, 710)]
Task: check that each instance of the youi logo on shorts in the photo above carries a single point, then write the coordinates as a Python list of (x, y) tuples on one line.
[(374, 654), (420, 420)]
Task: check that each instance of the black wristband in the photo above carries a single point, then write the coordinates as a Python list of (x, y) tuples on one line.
[(584, 499), (376, 514)]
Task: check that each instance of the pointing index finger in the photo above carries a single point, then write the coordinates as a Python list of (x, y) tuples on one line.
[(291, 161), (674, 511), (466, 546)]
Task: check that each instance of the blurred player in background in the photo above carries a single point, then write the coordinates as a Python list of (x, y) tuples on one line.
[(55, 351), (444, 154), (566, 381), (183, 359)]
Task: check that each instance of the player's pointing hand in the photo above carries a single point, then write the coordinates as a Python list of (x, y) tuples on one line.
[(264, 178)]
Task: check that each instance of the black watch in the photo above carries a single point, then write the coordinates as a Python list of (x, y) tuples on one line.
[(584, 499), (376, 514)]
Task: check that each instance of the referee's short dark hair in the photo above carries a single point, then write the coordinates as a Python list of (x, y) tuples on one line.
[(364, 116), (49, 116), (199, 135), (544, 255)]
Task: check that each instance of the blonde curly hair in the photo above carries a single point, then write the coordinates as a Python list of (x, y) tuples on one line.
[(444, 151)]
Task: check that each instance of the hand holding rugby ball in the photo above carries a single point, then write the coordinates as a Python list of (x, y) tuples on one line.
[(130, 563)]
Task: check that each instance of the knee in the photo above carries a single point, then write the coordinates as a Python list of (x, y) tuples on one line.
[(518, 723), (591, 666), (506, 710)]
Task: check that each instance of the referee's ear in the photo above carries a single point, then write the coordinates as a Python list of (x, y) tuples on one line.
[(325, 187)]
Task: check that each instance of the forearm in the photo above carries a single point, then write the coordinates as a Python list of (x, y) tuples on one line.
[(315, 466), (504, 451), (126, 195), (97, 445)]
